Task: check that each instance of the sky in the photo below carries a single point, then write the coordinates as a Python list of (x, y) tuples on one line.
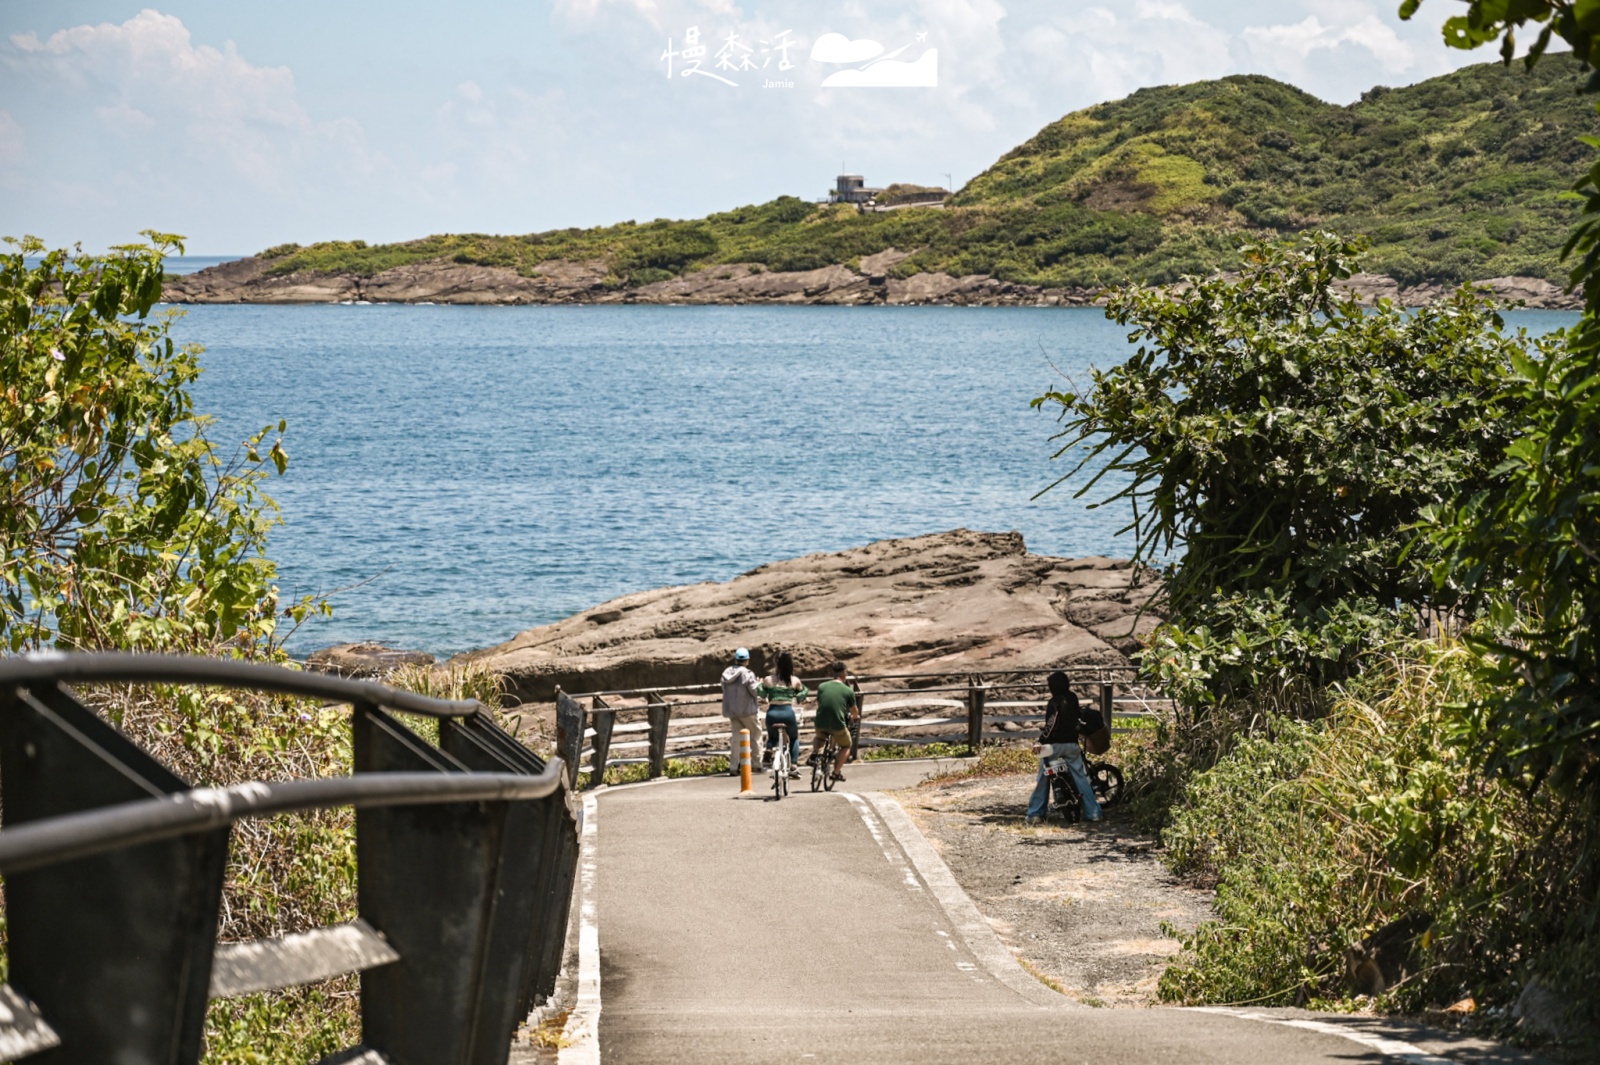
[(242, 126)]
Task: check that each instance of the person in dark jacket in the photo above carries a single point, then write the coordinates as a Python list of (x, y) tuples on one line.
[(1066, 720)]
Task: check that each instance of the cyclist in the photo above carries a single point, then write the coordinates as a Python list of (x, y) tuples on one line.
[(1065, 721), (783, 690), (836, 708)]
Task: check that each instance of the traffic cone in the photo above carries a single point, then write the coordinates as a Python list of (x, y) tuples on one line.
[(744, 761)]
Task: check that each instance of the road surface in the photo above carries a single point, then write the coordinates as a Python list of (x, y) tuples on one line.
[(824, 928)]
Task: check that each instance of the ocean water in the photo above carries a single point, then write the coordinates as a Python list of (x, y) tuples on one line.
[(459, 474)]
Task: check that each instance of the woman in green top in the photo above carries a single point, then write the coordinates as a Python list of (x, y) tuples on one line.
[(783, 691)]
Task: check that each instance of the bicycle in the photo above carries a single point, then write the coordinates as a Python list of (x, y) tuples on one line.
[(1104, 778), (822, 768), (780, 770)]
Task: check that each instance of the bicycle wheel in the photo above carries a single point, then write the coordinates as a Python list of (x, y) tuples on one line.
[(818, 773), (777, 779), (1107, 781)]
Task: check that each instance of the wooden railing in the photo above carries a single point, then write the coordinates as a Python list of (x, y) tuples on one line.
[(466, 852)]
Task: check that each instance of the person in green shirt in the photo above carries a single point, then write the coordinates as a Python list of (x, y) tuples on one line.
[(783, 691), (836, 708)]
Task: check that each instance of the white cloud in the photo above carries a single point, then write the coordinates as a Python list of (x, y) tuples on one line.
[(121, 118), (890, 74), (211, 106), (507, 142), (837, 48), (1104, 54), (1288, 46)]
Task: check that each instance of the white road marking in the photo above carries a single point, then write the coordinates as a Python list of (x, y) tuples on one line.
[(1394, 1048), (582, 1031), (889, 852), (962, 913)]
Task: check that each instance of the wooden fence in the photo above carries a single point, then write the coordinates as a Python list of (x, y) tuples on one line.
[(655, 725)]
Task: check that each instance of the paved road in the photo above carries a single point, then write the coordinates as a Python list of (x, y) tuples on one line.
[(822, 928)]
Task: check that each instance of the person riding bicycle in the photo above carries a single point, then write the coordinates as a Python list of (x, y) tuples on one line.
[(1066, 719), (836, 708), (783, 690)]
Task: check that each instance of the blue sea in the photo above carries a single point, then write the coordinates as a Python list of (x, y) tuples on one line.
[(459, 474)]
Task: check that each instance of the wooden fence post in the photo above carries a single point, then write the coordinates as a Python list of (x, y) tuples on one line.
[(603, 724), (975, 698), (660, 713)]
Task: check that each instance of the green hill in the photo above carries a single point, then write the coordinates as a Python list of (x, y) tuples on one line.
[(1457, 178)]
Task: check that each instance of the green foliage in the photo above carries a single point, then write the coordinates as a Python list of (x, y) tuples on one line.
[(284, 1027), (1318, 834), (1286, 441), (1265, 648), (120, 523), (1533, 550), (1146, 189)]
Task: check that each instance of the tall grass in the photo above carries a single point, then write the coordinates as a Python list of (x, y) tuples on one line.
[(1318, 833)]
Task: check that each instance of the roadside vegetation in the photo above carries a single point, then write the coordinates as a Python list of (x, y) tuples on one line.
[(126, 526), (1458, 178), (1381, 626)]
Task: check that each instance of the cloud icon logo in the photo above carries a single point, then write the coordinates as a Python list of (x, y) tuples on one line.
[(889, 74), (837, 48)]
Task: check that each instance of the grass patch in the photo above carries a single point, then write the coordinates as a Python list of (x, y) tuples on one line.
[(1034, 972), (993, 760), (674, 768), (550, 1034), (893, 752)]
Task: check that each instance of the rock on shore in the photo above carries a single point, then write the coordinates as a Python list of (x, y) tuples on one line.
[(446, 281), (947, 601), (365, 660)]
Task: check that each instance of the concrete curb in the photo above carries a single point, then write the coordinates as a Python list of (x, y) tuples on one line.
[(975, 931)]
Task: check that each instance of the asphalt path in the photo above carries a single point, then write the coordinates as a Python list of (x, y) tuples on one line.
[(824, 928)]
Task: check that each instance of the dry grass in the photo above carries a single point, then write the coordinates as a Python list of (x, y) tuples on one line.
[(993, 760)]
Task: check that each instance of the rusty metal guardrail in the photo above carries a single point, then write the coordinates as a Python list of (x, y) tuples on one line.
[(588, 727), (466, 854)]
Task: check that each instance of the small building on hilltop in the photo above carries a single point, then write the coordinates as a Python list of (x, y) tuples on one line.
[(852, 188)]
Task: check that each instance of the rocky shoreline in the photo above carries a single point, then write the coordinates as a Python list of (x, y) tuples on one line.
[(559, 282), (948, 601)]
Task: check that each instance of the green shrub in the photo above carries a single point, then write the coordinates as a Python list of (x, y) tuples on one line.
[(1317, 834)]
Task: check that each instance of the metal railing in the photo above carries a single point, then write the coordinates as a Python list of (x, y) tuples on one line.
[(591, 727), (465, 851)]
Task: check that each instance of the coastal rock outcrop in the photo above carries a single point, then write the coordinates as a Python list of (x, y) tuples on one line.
[(947, 601), (364, 659), (558, 281)]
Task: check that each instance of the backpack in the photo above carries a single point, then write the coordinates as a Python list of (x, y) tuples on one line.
[(1099, 741)]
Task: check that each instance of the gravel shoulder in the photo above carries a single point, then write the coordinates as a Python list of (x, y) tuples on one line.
[(1083, 906)]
